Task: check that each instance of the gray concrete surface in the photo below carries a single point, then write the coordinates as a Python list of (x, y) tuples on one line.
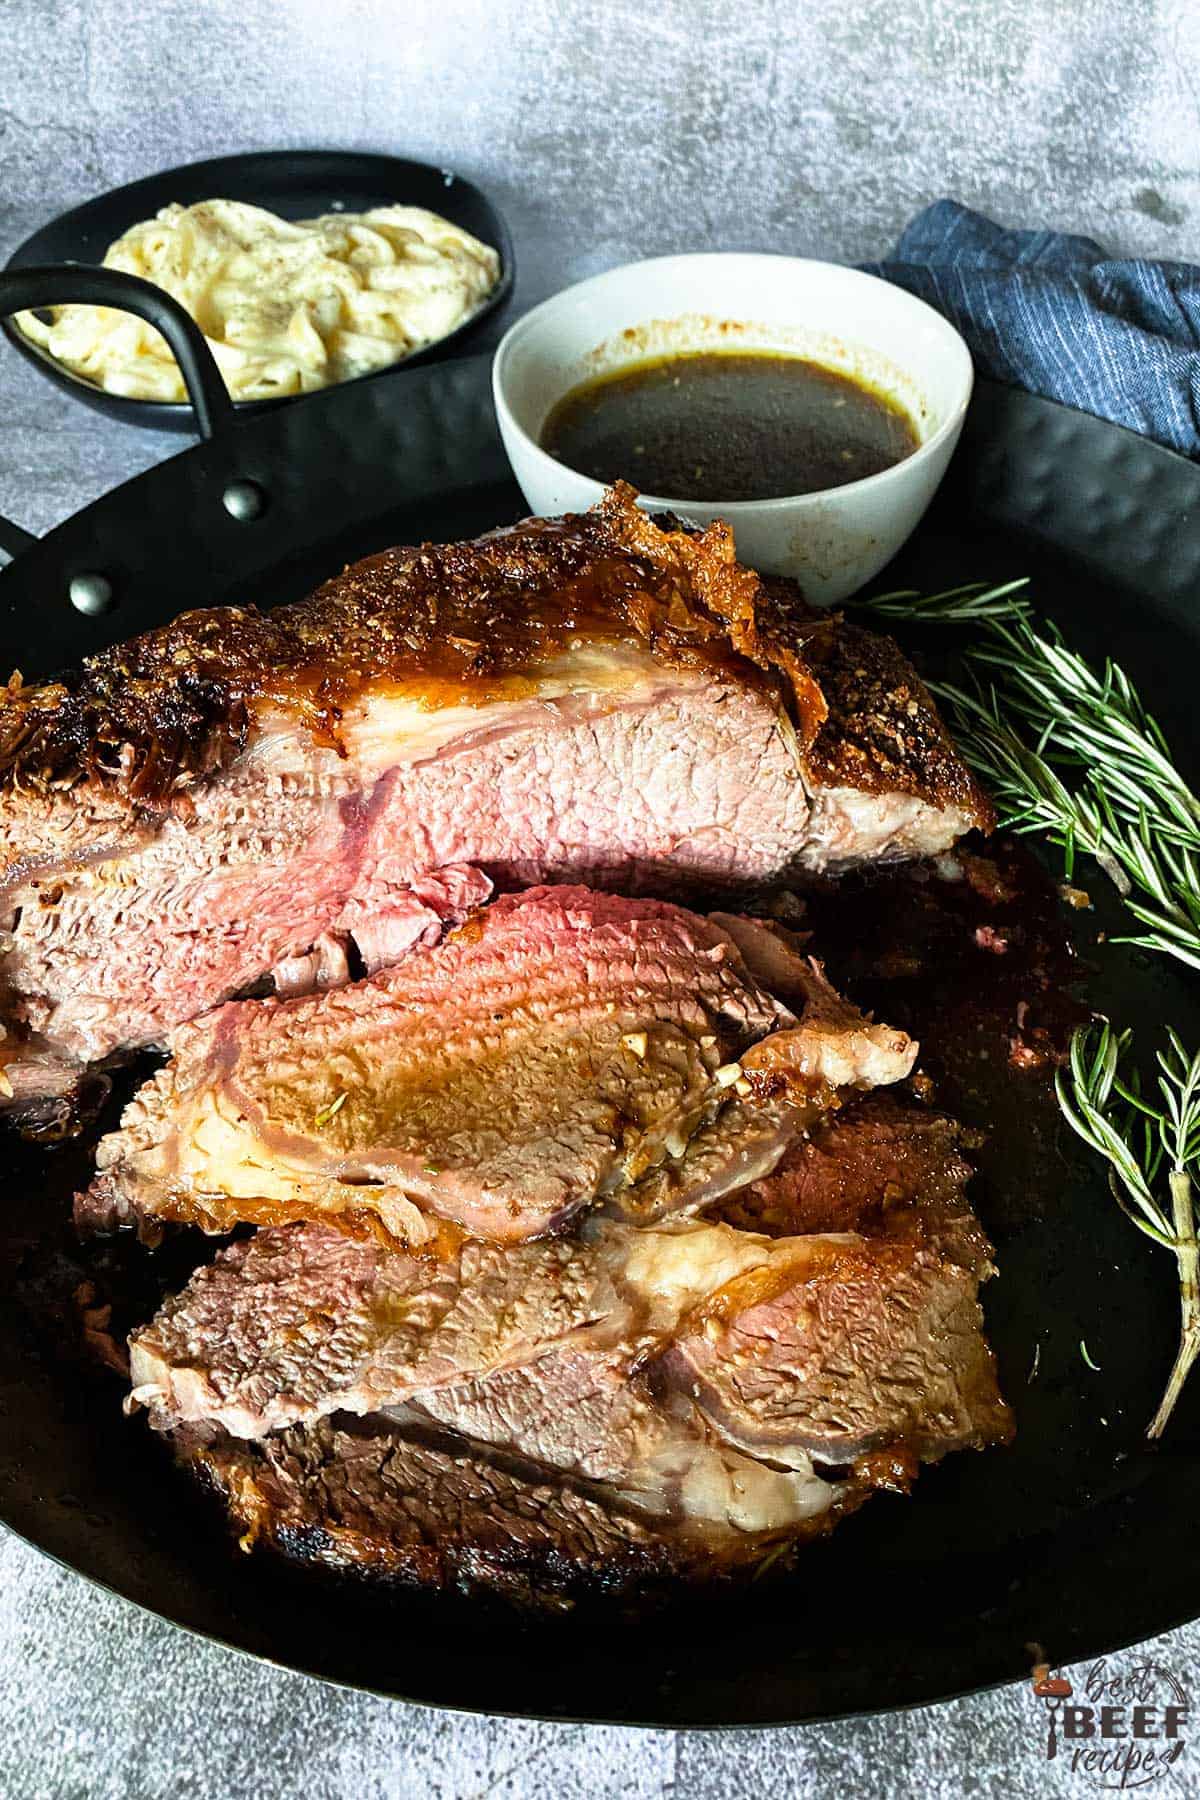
[(605, 131)]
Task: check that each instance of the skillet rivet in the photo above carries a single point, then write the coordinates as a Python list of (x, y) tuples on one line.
[(244, 501), (91, 594)]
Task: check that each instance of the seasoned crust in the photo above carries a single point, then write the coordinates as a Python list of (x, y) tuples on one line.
[(465, 622), (882, 733)]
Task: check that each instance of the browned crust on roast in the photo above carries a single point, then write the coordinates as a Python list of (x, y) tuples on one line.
[(474, 622), (468, 621), (439, 1513), (882, 733)]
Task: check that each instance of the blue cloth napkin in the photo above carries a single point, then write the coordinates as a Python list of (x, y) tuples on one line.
[(1055, 315)]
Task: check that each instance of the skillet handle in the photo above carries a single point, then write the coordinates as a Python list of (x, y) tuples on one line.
[(25, 290)]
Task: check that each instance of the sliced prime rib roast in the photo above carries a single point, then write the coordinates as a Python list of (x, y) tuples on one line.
[(302, 1320), (707, 1390), (597, 698), (575, 1419), (564, 1048), (779, 1342)]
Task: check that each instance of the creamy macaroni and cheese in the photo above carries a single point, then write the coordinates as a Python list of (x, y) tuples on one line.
[(285, 306)]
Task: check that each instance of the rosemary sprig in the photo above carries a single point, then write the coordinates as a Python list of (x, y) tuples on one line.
[(1150, 856), (1140, 1138), (964, 605), (1073, 754)]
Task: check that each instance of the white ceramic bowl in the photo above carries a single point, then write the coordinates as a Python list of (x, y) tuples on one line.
[(831, 542)]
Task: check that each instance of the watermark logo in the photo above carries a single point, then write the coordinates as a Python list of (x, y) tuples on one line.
[(1126, 1727)]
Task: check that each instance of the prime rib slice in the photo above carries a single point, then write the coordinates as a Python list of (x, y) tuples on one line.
[(827, 1347), (599, 1411), (563, 1048), (303, 1320), (574, 1410), (596, 698), (687, 1413), (375, 1498)]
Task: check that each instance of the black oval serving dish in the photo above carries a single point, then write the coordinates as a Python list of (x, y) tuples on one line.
[(1080, 1538), (296, 184)]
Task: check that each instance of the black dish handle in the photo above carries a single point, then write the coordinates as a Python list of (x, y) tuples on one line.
[(27, 290)]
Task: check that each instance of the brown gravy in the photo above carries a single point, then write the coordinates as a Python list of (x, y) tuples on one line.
[(728, 425)]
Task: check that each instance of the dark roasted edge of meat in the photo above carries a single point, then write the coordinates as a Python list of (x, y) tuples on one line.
[(428, 1511)]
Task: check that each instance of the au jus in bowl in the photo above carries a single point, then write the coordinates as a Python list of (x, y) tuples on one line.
[(729, 425), (762, 348)]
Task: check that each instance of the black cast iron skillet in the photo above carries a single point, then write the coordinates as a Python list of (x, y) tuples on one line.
[(296, 184), (1078, 1539)]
